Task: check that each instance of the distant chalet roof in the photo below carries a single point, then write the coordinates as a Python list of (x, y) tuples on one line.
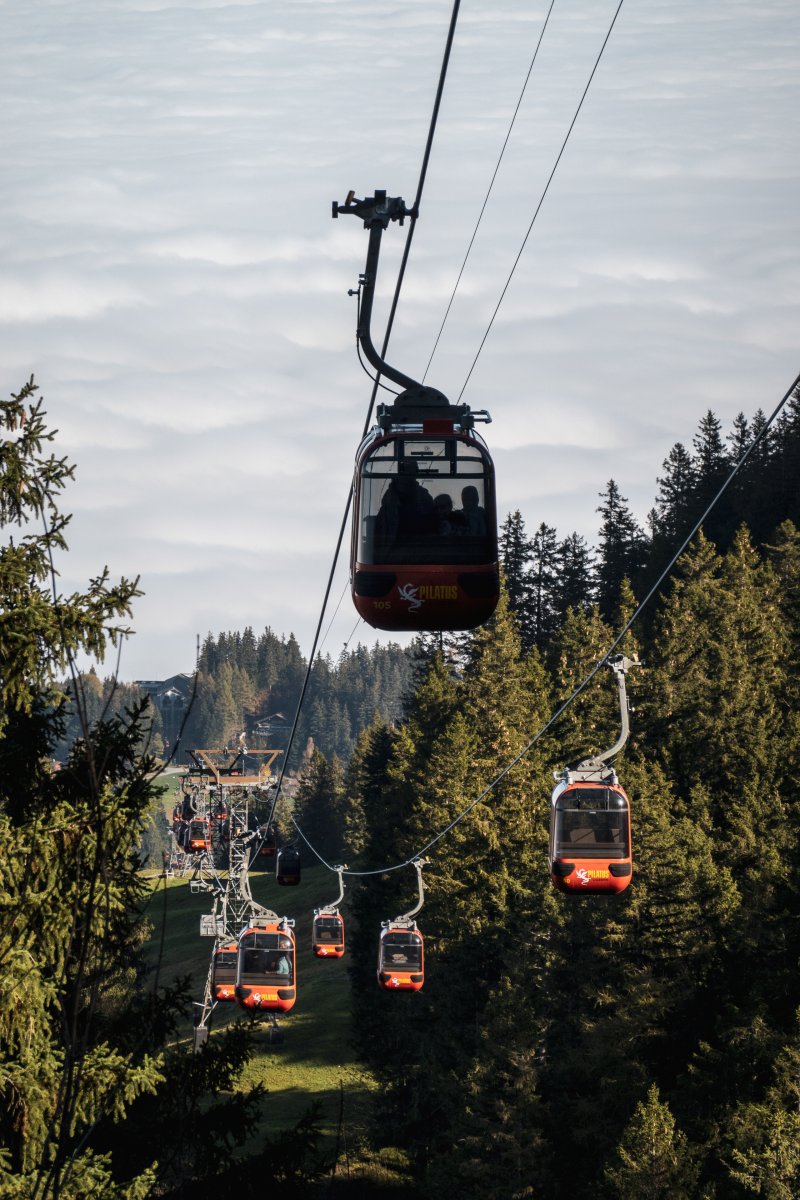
[(158, 687)]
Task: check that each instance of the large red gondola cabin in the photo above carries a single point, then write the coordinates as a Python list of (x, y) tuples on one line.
[(424, 546), (424, 551), (590, 837), (401, 959), (266, 969)]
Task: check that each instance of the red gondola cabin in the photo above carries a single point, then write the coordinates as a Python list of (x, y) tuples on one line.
[(424, 548), (401, 959), (590, 838), (266, 968)]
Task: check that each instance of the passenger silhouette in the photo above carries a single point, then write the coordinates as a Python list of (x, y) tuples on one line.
[(474, 515), (407, 511)]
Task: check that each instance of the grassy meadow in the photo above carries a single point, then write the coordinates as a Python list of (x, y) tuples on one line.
[(316, 1060)]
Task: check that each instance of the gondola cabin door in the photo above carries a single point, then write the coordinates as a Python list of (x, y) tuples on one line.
[(424, 548), (590, 838)]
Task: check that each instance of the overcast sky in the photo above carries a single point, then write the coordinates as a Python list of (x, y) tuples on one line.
[(172, 276)]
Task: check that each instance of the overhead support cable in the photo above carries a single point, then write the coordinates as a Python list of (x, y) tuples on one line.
[(541, 198), (395, 300), (489, 189)]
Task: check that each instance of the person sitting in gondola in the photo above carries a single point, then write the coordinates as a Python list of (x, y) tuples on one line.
[(449, 521), (474, 515), (282, 965), (406, 512)]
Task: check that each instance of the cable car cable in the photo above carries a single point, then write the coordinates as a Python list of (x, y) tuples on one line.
[(401, 275), (333, 618), (489, 190), (793, 390), (541, 198)]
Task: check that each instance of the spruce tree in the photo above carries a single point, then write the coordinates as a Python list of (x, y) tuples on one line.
[(652, 1160), (622, 550), (70, 889), (516, 556), (544, 584), (574, 585)]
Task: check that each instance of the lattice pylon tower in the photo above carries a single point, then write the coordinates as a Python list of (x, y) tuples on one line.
[(233, 905)]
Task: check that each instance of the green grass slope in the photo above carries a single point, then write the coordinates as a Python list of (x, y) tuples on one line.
[(316, 1060)]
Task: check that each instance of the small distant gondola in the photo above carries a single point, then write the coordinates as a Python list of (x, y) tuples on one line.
[(590, 819), (268, 843), (401, 949), (401, 958), (327, 933), (266, 977), (198, 837), (287, 866), (223, 973), (327, 936)]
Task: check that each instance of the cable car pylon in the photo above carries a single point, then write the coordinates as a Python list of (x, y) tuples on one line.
[(590, 819), (240, 970), (424, 551), (401, 950)]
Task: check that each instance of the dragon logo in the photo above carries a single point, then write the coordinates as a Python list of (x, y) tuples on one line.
[(583, 875), (409, 592)]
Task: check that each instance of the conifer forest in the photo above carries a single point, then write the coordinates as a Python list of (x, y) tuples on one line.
[(644, 1046)]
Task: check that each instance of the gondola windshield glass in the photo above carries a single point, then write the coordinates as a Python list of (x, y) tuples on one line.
[(591, 823), (426, 500)]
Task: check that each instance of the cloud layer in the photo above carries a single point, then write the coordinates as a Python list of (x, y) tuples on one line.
[(171, 274)]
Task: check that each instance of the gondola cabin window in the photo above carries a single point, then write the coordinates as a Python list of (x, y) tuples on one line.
[(426, 501), (400, 949), (224, 973), (266, 958), (591, 823)]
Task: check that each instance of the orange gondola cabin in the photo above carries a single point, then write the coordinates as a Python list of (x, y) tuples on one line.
[(401, 958), (590, 814), (590, 837), (223, 973), (327, 935), (198, 836), (266, 967)]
